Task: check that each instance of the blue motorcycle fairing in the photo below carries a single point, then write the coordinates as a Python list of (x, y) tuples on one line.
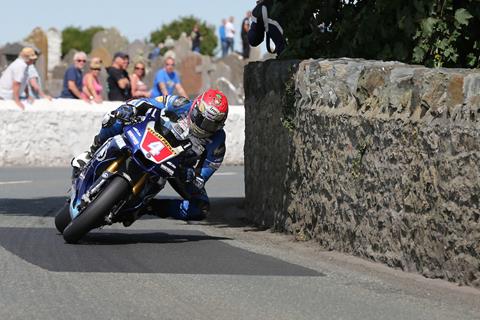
[(110, 150), (107, 152), (134, 134)]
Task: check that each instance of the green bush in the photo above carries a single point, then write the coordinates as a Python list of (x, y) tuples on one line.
[(78, 39), (186, 24), (431, 32)]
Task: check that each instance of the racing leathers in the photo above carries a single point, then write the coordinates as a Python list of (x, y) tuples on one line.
[(201, 162)]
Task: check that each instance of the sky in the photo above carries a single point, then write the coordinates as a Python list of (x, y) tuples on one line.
[(134, 19)]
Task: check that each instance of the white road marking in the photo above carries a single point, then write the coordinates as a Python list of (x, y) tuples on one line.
[(16, 182), (225, 174)]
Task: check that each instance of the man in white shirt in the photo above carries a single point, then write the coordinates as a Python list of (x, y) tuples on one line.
[(34, 86), (230, 34), (15, 77)]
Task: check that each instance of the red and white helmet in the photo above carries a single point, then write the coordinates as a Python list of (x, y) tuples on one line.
[(208, 113)]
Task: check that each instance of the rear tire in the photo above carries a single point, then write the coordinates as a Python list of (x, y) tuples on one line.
[(62, 219), (91, 218)]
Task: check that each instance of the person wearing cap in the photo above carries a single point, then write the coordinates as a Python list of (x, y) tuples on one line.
[(119, 88), (92, 89), (73, 79), (15, 77), (34, 84)]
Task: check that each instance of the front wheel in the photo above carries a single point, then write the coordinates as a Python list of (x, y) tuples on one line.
[(62, 219), (111, 195)]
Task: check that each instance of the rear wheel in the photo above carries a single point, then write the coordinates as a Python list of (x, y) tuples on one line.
[(62, 219), (112, 194)]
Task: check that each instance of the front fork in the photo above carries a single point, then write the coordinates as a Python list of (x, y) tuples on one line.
[(138, 185)]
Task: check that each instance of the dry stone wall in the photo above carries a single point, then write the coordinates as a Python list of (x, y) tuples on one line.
[(380, 159)]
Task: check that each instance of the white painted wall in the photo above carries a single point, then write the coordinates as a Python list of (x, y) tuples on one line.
[(50, 133)]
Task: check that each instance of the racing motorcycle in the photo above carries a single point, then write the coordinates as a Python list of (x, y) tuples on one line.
[(124, 174)]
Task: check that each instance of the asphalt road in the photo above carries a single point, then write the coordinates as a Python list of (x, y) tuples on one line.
[(221, 268)]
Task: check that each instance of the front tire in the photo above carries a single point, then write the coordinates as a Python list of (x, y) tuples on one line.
[(115, 191), (62, 219)]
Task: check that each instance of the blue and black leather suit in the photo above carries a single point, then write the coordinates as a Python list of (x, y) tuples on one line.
[(206, 157)]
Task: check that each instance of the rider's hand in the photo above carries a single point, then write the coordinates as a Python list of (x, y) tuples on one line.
[(125, 112)]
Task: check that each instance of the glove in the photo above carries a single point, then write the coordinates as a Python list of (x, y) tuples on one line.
[(197, 181), (125, 112)]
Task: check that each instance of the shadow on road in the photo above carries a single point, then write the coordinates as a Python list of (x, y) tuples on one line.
[(123, 238), (225, 212), (41, 207), (142, 251)]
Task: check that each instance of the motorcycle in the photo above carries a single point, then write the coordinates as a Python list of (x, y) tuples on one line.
[(124, 174)]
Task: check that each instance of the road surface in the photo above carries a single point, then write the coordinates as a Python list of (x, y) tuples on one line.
[(221, 268)]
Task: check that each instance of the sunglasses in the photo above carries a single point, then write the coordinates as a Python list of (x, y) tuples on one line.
[(95, 69), (80, 60), (137, 68)]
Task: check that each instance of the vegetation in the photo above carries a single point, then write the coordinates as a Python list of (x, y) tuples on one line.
[(431, 32), (78, 39), (186, 24)]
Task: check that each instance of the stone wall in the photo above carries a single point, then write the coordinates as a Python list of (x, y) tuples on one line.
[(382, 160), (50, 133)]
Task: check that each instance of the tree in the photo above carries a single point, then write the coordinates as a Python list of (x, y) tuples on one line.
[(78, 39), (186, 24), (431, 32)]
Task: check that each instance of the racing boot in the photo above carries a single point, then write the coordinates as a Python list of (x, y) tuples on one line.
[(83, 158), (130, 218)]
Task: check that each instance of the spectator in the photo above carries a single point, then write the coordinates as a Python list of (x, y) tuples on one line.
[(34, 84), (139, 88), (72, 81), (92, 89), (196, 38), (15, 77), (230, 34), (223, 38), (156, 52), (244, 34), (167, 80), (119, 88)]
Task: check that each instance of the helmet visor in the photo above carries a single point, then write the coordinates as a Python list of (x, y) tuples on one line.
[(205, 124)]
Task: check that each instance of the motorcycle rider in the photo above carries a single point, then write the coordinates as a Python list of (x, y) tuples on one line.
[(204, 118)]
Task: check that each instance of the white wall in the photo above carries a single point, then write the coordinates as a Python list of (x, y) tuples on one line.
[(50, 133)]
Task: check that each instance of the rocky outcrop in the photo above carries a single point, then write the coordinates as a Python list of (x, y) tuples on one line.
[(377, 159)]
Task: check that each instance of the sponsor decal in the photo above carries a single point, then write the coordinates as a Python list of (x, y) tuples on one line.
[(132, 136), (217, 100), (159, 99), (167, 169)]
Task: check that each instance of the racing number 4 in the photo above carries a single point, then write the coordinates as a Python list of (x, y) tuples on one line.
[(156, 147)]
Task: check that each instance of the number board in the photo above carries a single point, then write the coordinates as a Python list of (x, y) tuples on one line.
[(155, 147)]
